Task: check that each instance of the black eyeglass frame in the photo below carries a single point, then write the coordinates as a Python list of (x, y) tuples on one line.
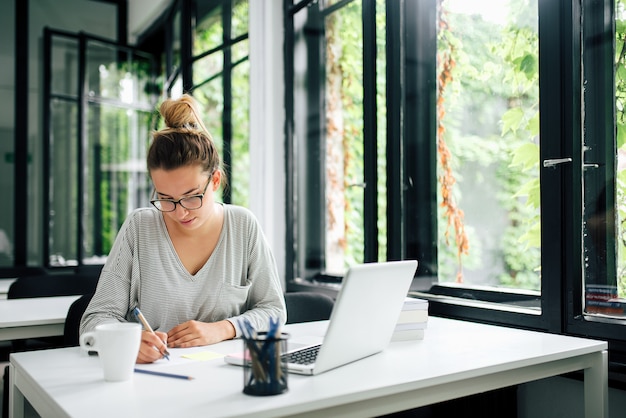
[(180, 201)]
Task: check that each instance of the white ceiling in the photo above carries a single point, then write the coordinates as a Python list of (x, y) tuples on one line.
[(141, 14)]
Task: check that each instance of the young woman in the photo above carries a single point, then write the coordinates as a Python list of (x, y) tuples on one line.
[(193, 266)]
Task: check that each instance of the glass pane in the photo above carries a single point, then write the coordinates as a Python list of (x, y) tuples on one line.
[(104, 73), (144, 86), (63, 183), (240, 144), (381, 134), (209, 32), (604, 170), (207, 68), (116, 176), (7, 185), (230, 107), (488, 144), (240, 51), (118, 75), (211, 100), (111, 180), (176, 32), (239, 24), (620, 198), (64, 71), (344, 138)]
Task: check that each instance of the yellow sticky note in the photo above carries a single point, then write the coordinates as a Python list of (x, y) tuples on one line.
[(203, 356)]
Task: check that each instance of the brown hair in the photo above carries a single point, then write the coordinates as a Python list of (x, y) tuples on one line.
[(184, 141)]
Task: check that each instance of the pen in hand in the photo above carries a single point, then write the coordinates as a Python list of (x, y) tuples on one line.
[(148, 328)]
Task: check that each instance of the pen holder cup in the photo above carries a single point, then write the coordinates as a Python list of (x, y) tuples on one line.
[(263, 371)]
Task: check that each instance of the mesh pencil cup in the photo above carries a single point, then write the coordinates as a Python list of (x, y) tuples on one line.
[(264, 373)]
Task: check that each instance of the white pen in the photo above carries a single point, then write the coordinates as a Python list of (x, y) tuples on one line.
[(147, 326)]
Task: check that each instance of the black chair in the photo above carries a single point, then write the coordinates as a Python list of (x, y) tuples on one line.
[(308, 306), (71, 329), (89, 269)]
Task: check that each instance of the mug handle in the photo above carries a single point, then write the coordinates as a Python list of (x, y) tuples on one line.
[(88, 341)]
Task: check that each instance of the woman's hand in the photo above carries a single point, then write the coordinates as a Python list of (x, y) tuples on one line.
[(152, 346), (195, 333)]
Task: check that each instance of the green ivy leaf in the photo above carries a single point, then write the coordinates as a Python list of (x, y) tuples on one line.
[(621, 135), (511, 120), (526, 156), (533, 235), (533, 125), (528, 66)]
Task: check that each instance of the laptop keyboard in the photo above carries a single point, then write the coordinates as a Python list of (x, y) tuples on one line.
[(304, 356)]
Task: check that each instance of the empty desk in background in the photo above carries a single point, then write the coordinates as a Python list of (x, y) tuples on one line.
[(455, 359), (33, 317)]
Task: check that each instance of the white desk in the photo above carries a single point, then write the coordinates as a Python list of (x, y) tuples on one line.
[(454, 359), (4, 286), (33, 317)]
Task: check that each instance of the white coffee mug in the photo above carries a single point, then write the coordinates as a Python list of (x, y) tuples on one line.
[(117, 345)]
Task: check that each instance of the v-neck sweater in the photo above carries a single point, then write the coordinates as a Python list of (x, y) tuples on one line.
[(239, 280)]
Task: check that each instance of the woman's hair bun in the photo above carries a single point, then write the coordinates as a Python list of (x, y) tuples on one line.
[(181, 113)]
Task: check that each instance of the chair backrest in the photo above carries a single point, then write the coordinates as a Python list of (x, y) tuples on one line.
[(71, 330), (52, 285), (308, 306), (91, 269)]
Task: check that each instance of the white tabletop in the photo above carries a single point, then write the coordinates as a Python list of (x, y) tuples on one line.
[(4, 286), (33, 317), (454, 359)]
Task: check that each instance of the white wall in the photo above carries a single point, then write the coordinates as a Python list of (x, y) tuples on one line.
[(267, 122)]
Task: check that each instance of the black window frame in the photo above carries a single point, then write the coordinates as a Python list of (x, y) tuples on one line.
[(411, 225), (163, 30)]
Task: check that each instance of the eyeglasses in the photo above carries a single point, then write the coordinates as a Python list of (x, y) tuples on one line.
[(190, 202)]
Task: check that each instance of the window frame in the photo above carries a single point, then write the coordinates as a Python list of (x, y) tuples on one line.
[(560, 51)]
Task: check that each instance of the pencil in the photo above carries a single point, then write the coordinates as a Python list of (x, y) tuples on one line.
[(147, 326), (175, 376)]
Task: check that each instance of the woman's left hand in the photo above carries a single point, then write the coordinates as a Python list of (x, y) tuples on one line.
[(196, 333)]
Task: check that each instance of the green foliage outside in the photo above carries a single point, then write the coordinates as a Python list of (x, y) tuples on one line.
[(620, 121), (349, 30), (118, 137), (507, 149), (492, 126), (209, 92)]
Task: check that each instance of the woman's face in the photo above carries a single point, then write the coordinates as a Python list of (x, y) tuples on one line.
[(182, 183)]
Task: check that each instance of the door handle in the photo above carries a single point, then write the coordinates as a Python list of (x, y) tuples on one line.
[(553, 162)]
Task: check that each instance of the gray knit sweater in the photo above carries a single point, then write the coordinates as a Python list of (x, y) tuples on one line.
[(239, 280)]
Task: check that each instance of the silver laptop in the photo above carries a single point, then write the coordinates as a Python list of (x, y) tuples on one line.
[(363, 318)]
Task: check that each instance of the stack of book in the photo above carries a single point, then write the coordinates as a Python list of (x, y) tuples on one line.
[(412, 321)]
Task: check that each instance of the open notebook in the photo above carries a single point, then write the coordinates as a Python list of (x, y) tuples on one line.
[(362, 321)]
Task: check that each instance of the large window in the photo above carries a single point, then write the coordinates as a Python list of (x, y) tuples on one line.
[(371, 154), (488, 144), (206, 54), (99, 109), (340, 154), (476, 138), (221, 84)]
